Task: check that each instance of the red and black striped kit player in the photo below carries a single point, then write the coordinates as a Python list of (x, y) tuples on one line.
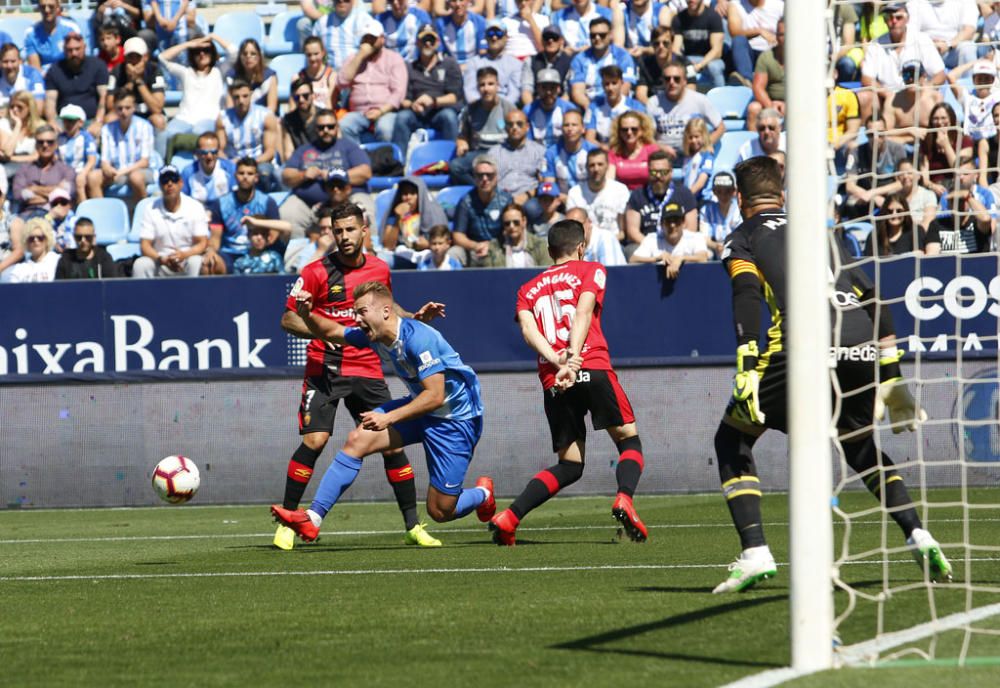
[(559, 312), (336, 372)]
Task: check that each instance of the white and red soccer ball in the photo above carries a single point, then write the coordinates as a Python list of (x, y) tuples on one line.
[(176, 479)]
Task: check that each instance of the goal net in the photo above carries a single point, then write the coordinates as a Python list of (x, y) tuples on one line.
[(918, 175)]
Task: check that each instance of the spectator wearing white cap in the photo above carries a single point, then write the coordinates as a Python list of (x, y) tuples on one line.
[(17, 76), (77, 147), (720, 216), (508, 67), (377, 79), (62, 218), (977, 103), (173, 234), (126, 152), (144, 80)]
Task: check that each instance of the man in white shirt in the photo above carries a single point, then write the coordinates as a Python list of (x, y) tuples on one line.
[(174, 232), (885, 56), (672, 245), (770, 137), (950, 24), (604, 199)]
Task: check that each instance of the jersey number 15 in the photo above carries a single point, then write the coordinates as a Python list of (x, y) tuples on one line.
[(555, 314)]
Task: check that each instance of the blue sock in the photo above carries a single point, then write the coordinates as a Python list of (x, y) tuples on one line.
[(470, 498), (338, 477)]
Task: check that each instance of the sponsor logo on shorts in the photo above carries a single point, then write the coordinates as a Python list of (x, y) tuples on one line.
[(867, 353)]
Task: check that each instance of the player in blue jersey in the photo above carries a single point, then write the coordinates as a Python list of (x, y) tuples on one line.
[(444, 411)]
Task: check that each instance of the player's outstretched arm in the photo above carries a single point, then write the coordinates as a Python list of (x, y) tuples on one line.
[(426, 313), (430, 398), (321, 328), (294, 325)]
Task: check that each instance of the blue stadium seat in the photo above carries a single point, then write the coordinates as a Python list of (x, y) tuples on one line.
[(236, 27), (732, 102), (123, 251), (431, 152), (140, 210), (287, 68), (110, 216), (729, 148), (16, 27), (174, 94), (860, 231), (282, 36), (449, 196), (382, 201), (379, 183), (852, 245)]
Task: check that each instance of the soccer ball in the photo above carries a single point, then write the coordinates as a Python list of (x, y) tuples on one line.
[(176, 479)]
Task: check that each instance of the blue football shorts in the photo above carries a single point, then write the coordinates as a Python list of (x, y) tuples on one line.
[(448, 444)]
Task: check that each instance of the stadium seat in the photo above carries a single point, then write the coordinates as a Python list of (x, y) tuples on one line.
[(729, 148), (110, 216), (123, 251), (431, 152), (16, 27), (449, 196), (182, 159), (378, 183), (852, 245), (236, 27), (140, 210), (861, 231), (732, 102), (382, 201), (282, 35), (174, 94), (279, 196), (287, 68)]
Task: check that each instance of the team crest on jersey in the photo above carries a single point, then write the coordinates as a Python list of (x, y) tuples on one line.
[(599, 278), (306, 419)]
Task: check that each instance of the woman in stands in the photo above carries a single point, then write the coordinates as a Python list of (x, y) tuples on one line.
[(411, 215), (39, 264), (17, 133), (318, 72), (250, 68), (632, 142), (895, 233), (943, 149), (202, 85)]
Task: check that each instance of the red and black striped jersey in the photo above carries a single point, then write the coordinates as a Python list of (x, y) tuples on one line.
[(332, 285)]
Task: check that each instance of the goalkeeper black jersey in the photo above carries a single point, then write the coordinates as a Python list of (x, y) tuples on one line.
[(754, 257)]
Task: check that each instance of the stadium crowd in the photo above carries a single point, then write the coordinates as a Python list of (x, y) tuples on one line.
[(466, 128)]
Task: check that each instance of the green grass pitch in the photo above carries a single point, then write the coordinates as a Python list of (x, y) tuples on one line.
[(196, 596)]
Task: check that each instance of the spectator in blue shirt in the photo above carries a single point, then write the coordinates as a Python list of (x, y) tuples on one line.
[(585, 84), (126, 151), (463, 32), (77, 147), (259, 259), (546, 112), (719, 217), (614, 101), (43, 42), (16, 76), (234, 215), (211, 176), (566, 160), (477, 217), (574, 22), (402, 24)]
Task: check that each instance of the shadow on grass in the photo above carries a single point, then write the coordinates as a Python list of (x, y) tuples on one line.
[(593, 643)]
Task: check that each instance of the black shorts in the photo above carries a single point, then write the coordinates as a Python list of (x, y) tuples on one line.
[(595, 391), (857, 408), (321, 394)]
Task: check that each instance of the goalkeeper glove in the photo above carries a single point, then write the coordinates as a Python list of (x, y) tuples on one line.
[(746, 384), (894, 395)]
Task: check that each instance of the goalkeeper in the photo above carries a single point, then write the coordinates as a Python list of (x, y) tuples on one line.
[(754, 256)]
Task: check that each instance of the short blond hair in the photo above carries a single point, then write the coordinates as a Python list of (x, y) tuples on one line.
[(42, 224), (377, 288)]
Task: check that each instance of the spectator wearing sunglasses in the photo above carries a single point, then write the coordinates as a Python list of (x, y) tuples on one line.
[(574, 22), (87, 260), (210, 177), (434, 94), (62, 218), (672, 109), (34, 181), (551, 56), (298, 126), (585, 82), (770, 137), (508, 67), (173, 235), (40, 258)]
